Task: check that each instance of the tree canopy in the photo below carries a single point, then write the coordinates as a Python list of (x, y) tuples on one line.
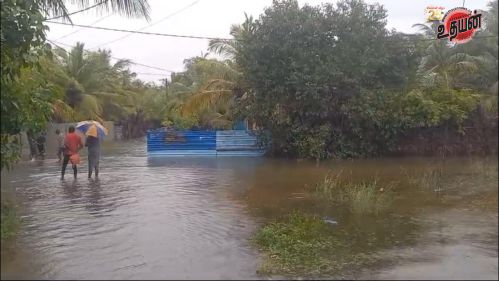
[(319, 81)]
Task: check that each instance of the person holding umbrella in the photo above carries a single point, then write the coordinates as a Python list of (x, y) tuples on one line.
[(94, 132), (93, 145)]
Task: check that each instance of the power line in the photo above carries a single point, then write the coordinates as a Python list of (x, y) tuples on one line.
[(145, 73), (197, 37), (78, 30), (132, 62), (151, 67), (141, 32), (426, 39), (79, 11), (149, 25)]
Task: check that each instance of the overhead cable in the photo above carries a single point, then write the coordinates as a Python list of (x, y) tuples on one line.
[(78, 30), (132, 62), (147, 26), (141, 32)]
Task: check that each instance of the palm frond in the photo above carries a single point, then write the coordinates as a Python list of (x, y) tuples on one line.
[(105, 95), (89, 108), (427, 30), (55, 8), (62, 112), (222, 47), (205, 99), (121, 64), (220, 122), (217, 84), (128, 8)]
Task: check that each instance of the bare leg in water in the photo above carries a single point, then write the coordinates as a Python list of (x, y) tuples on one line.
[(65, 164), (93, 163)]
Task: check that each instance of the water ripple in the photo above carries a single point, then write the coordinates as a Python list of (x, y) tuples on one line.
[(141, 219)]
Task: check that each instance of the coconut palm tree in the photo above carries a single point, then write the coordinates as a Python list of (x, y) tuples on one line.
[(470, 65), (443, 63), (216, 82), (128, 8), (229, 47), (212, 92), (95, 83)]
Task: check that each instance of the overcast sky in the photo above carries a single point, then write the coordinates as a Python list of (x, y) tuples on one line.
[(210, 18)]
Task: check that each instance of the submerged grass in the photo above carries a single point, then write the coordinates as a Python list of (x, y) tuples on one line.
[(475, 175), (484, 169), (361, 198), (431, 179), (9, 221), (303, 245)]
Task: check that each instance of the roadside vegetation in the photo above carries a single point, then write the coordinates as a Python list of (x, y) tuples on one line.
[(367, 197), (302, 75), (360, 218), (479, 173), (39, 84), (305, 246), (9, 221)]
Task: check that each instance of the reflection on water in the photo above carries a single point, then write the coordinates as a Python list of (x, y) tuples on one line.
[(188, 217)]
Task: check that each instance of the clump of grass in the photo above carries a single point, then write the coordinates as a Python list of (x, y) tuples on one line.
[(431, 179), (362, 198), (9, 221), (476, 174), (483, 169), (302, 245)]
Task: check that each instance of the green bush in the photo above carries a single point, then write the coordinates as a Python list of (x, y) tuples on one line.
[(433, 107), (303, 245), (9, 221), (361, 198)]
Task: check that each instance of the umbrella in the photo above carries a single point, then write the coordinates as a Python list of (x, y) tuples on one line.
[(92, 128)]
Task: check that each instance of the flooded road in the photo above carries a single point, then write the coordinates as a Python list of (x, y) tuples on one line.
[(193, 218)]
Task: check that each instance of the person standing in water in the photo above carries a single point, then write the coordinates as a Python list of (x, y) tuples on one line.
[(40, 142), (72, 146), (93, 145), (32, 144), (60, 144)]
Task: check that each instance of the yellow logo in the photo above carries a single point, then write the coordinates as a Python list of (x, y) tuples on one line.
[(434, 13)]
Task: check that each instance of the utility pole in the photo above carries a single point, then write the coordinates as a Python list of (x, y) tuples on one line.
[(165, 83)]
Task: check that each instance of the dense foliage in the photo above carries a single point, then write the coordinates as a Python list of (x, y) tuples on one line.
[(202, 95), (332, 81), (26, 97), (323, 81)]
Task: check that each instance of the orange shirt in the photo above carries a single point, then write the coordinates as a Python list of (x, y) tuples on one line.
[(73, 143)]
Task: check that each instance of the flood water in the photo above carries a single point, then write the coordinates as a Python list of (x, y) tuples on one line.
[(193, 218)]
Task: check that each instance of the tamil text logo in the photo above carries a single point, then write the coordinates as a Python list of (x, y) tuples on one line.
[(459, 25)]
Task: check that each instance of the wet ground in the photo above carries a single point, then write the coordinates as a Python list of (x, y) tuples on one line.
[(193, 218)]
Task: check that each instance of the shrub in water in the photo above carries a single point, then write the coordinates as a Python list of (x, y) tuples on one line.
[(362, 198)]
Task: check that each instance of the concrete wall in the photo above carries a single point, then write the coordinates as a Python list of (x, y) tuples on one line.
[(51, 144)]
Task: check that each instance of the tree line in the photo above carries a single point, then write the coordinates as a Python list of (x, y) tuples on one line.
[(318, 81), (332, 81)]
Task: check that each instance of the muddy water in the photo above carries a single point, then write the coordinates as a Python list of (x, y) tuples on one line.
[(188, 218)]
